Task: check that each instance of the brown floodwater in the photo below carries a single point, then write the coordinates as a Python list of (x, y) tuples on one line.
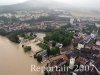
[(13, 60)]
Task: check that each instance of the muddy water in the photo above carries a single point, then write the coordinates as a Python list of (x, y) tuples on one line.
[(13, 61)]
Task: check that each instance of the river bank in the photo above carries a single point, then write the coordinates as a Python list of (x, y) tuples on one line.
[(13, 60)]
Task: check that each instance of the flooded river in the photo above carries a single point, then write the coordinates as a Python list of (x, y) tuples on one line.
[(13, 60)]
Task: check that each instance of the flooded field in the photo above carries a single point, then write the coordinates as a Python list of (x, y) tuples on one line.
[(13, 60)]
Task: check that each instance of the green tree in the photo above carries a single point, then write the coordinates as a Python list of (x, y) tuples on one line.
[(14, 37), (53, 43), (48, 51), (3, 32), (39, 58), (22, 35), (58, 35), (27, 48), (43, 46), (54, 50), (75, 44), (67, 41)]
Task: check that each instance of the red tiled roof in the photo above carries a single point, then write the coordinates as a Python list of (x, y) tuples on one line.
[(80, 60), (65, 58)]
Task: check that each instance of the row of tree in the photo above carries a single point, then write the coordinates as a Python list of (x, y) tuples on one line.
[(13, 35)]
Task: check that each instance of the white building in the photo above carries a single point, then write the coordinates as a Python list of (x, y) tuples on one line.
[(71, 63)]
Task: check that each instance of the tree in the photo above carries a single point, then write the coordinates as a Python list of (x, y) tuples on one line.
[(54, 50), (31, 34), (48, 52), (53, 43), (99, 31), (43, 46), (27, 48), (22, 34), (75, 44), (39, 58), (58, 35), (46, 72), (35, 35), (3, 32), (67, 41), (14, 37)]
